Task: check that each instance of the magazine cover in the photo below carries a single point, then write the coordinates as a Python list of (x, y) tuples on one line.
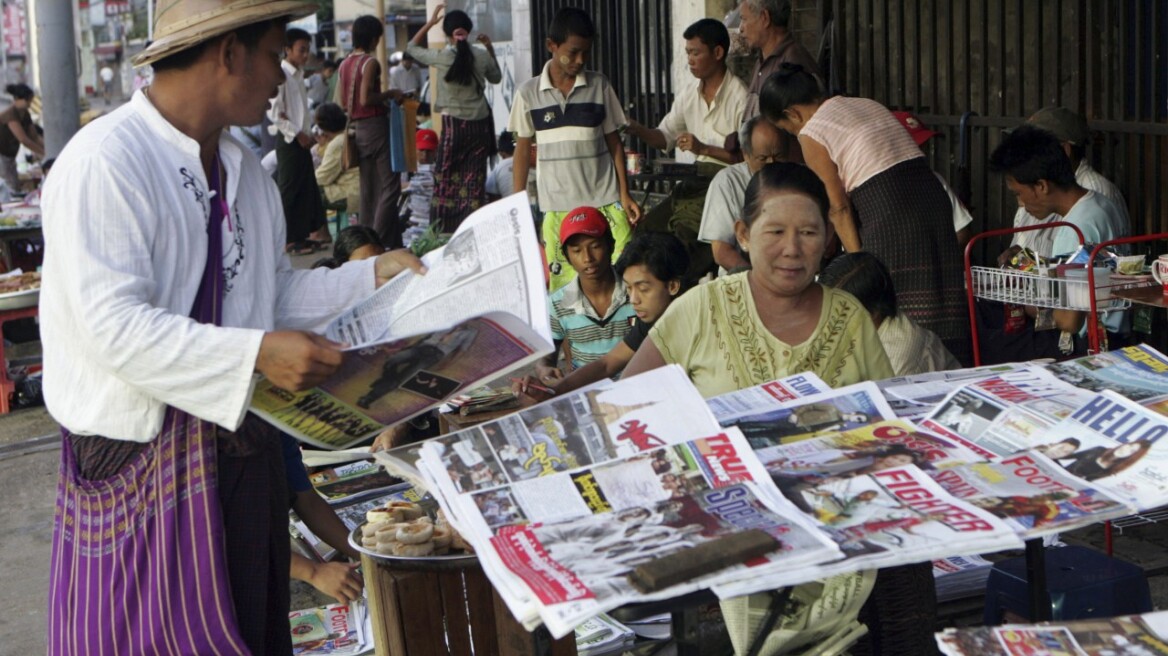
[(1032, 493), (479, 312), (334, 630), (1116, 445), (897, 516), (828, 412)]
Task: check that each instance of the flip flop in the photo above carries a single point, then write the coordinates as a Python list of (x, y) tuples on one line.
[(299, 248)]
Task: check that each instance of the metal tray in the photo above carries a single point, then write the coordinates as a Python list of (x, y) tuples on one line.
[(451, 561), (20, 300)]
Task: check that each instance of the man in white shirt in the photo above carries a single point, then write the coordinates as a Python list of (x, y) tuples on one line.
[(292, 126), (1073, 134), (1039, 173), (761, 145), (142, 199), (701, 117), (406, 76)]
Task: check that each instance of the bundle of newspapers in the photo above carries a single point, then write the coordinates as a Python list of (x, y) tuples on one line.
[(562, 500)]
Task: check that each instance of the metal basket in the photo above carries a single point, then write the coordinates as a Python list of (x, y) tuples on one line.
[(1044, 290)]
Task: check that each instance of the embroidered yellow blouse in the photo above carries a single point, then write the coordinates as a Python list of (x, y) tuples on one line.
[(715, 333)]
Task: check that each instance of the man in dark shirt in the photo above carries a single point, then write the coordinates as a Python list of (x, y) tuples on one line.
[(765, 27)]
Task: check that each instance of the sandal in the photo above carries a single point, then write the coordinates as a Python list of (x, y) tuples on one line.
[(299, 248), (318, 246)]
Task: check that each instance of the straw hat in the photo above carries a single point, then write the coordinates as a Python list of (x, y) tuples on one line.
[(180, 24)]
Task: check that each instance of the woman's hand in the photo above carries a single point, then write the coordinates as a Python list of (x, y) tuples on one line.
[(486, 43), (438, 13)]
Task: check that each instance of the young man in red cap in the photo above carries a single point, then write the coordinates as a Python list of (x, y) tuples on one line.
[(591, 314), (421, 187)]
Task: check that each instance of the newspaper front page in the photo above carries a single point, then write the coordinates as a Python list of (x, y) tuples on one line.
[(1032, 493), (1003, 414), (1116, 445), (837, 410), (761, 398)]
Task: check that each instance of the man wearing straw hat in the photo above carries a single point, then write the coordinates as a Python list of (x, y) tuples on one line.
[(166, 290)]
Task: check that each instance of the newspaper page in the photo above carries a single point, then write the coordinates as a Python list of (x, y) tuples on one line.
[(1137, 372), (387, 383), (1132, 635), (334, 630), (491, 264), (760, 398), (832, 411), (1032, 493), (1002, 414), (893, 517), (1116, 445), (572, 538), (960, 576)]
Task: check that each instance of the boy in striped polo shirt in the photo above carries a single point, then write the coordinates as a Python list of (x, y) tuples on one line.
[(575, 118), (591, 314)]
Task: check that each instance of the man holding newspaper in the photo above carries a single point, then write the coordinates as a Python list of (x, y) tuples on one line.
[(166, 289)]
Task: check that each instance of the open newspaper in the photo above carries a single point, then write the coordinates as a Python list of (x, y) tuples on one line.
[(563, 500), (479, 312), (1137, 635)]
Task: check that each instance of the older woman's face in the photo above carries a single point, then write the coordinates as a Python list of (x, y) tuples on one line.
[(786, 242)]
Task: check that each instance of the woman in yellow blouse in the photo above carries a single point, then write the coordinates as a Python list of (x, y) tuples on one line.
[(772, 321), (753, 327)]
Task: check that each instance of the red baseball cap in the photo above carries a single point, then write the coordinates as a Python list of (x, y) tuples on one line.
[(917, 130), (583, 221), (426, 139)]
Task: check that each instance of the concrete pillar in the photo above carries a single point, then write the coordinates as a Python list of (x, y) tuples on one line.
[(57, 64)]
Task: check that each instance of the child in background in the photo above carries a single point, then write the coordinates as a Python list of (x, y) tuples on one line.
[(352, 244), (591, 314), (500, 179), (421, 186), (652, 268), (575, 118)]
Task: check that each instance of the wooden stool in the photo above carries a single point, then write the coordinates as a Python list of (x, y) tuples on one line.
[(448, 607)]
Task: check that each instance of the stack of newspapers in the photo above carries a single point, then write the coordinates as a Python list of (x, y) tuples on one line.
[(562, 500)]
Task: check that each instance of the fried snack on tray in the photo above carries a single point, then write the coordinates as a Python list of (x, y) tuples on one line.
[(403, 529)]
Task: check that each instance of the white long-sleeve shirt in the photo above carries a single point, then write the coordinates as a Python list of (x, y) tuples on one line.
[(125, 231), (288, 111)]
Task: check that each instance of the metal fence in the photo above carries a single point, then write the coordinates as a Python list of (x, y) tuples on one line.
[(998, 61)]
